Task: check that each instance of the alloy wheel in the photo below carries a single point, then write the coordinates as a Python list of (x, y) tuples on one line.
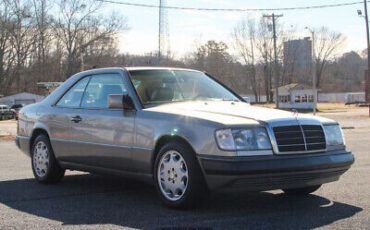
[(172, 174), (40, 159)]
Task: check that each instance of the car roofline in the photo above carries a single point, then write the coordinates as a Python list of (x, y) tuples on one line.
[(135, 68), (138, 68)]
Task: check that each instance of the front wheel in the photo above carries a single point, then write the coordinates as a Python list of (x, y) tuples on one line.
[(178, 178), (44, 165), (302, 191)]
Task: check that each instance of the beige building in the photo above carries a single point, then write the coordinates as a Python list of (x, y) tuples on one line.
[(295, 96)]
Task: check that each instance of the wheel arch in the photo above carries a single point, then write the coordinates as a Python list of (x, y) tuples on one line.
[(35, 133), (164, 140)]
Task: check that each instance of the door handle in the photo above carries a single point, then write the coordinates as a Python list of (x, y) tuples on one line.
[(76, 119)]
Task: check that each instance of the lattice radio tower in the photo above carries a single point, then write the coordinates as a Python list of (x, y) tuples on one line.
[(163, 33)]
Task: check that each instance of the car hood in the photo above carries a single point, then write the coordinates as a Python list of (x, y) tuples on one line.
[(227, 112)]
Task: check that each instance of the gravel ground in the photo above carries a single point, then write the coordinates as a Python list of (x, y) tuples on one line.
[(85, 201), (8, 128)]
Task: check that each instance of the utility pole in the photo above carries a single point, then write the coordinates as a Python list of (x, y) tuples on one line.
[(367, 77), (368, 53), (314, 73), (313, 70), (276, 68), (367, 34)]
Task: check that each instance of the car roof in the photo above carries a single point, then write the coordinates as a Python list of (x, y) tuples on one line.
[(137, 68)]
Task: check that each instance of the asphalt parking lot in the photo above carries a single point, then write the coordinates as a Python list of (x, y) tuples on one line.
[(85, 201)]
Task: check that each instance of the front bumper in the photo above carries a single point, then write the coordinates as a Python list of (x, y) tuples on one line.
[(259, 173)]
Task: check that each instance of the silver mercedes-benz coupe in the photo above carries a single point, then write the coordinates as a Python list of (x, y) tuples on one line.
[(182, 131)]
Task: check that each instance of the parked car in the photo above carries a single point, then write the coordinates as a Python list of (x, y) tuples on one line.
[(5, 112), (181, 130), (16, 108)]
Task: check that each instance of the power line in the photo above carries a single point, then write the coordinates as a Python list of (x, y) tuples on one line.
[(234, 9)]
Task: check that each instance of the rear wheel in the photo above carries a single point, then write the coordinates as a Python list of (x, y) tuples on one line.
[(44, 165), (302, 191), (178, 178)]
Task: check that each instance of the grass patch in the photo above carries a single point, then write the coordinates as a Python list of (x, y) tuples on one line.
[(7, 137)]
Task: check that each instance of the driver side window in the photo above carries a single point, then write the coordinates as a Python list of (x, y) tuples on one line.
[(99, 88), (73, 97)]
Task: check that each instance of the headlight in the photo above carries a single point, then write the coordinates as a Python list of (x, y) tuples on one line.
[(333, 134), (243, 139)]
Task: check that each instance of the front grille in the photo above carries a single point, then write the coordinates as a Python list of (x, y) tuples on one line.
[(315, 137), (299, 138)]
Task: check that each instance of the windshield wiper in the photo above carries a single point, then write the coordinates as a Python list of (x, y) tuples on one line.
[(224, 99), (220, 99)]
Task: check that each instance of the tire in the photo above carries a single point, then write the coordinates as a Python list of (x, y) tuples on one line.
[(176, 163), (302, 191), (44, 165)]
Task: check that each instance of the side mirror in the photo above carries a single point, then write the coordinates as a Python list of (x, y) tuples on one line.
[(120, 101)]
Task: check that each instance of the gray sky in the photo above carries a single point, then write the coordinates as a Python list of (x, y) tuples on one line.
[(187, 26)]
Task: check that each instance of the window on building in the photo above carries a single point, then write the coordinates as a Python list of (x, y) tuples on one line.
[(304, 98), (310, 98), (297, 99), (284, 99)]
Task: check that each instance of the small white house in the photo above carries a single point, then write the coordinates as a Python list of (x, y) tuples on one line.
[(295, 96), (21, 98)]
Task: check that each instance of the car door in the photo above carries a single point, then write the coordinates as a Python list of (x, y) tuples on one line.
[(102, 137), (58, 119)]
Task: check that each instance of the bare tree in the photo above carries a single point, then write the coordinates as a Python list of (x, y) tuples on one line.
[(43, 38), (79, 26), (244, 39), (264, 45), (327, 45), (16, 40), (7, 54)]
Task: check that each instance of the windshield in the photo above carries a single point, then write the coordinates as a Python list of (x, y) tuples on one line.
[(161, 86)]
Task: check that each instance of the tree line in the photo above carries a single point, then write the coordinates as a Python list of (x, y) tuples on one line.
[(43, 40), (46, 41)]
